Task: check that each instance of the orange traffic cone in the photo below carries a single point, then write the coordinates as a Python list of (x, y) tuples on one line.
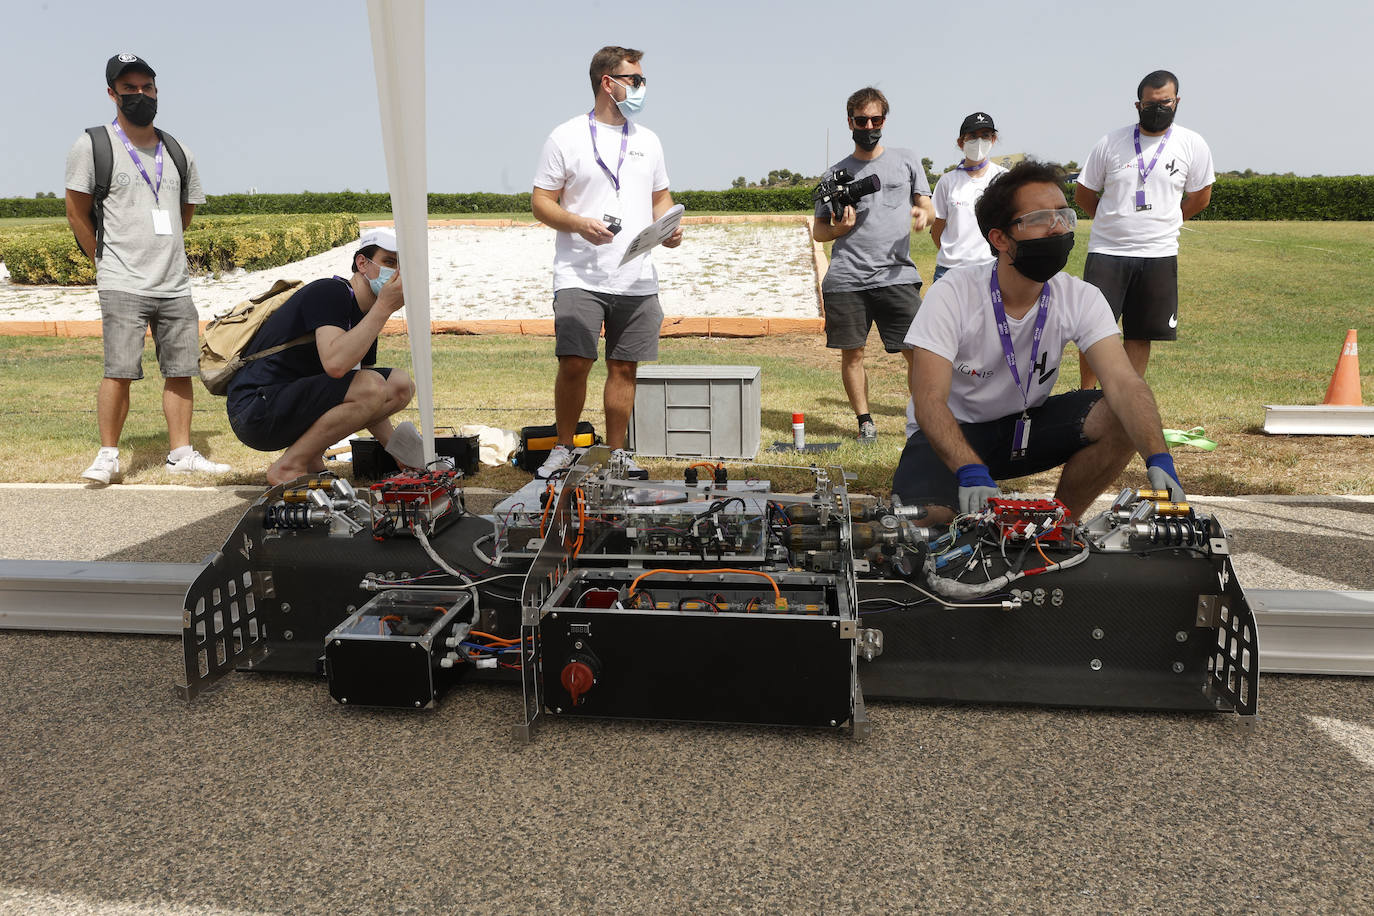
[(1345, 381)]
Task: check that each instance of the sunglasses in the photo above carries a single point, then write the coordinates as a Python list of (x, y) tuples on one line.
[(636, 80), (861, 121)]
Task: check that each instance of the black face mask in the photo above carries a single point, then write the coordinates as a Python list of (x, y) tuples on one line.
[(1156, 119), (140, 109), (867, 139), (1040, 259)]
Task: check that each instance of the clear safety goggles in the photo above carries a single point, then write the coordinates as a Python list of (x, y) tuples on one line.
[(1048, 219)]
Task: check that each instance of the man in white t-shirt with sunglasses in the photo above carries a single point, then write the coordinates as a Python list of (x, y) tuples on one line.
[(601, 179)]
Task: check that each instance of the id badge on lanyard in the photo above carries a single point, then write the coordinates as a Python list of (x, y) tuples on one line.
[(1144, 170), (1020, 436), (162, 222), (612, 214)]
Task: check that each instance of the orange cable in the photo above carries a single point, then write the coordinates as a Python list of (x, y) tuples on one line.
[(777, 593)]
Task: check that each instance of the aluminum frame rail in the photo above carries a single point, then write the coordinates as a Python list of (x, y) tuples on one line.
[(1318, 420), (1305, 631), (1315, 632), (94, 597)]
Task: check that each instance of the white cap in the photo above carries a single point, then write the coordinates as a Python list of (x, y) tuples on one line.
[(381, 236)]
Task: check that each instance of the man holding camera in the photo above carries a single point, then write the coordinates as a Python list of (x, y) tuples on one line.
[(989, 342), (601, 180), (871, 278)]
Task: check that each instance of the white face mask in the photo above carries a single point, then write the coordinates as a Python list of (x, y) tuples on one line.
[(976, 150), (634, 99)]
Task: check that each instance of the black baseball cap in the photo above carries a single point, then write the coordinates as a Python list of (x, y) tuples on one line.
[(979, 120), (126, 61)]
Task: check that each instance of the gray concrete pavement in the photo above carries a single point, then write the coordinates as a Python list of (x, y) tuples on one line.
[(265, 796)]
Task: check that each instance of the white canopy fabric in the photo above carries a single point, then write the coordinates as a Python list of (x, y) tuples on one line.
[(398, 55)]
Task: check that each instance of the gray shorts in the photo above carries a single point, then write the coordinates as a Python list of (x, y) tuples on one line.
[(851, 314), (125, 319), (632, 324)]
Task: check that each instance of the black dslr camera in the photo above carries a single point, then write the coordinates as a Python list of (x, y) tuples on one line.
[(841, 190)]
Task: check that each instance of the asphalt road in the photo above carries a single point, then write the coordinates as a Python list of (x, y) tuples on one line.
[(266, 796)]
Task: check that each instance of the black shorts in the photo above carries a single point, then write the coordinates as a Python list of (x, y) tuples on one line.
[(1143, 293), (850, 315), (1056, 435), (273, 417)]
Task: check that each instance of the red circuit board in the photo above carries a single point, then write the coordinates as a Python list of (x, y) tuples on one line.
[(409, 498), (1020, 519)]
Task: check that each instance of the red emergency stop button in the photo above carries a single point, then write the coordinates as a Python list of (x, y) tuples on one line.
[(577, 679)]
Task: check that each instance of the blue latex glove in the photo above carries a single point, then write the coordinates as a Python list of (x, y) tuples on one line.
[(1160, 469), (976, 487)]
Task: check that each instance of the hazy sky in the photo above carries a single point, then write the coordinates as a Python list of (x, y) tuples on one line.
[(280, 96)]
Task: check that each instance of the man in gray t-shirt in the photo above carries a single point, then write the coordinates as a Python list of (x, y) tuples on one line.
[(141, 275), (872, 278)]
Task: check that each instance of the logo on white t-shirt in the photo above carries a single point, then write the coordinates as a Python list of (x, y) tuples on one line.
[(970, 371)]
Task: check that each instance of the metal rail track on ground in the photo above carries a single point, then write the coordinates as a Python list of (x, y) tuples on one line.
[(1304, 631)]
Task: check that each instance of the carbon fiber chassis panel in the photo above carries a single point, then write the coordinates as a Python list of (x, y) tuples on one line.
[(1105, 634)]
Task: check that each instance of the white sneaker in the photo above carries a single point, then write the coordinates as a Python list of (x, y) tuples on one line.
[(105, 466), (195, 463), (632, 470), (560, 457)]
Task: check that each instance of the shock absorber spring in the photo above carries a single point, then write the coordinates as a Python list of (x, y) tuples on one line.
[(1175, 533), (282, 515)]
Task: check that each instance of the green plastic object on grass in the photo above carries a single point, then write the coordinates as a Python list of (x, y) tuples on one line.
[(1196, 437)]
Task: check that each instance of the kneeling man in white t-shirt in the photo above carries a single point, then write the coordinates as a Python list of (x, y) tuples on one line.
[(989, 342)]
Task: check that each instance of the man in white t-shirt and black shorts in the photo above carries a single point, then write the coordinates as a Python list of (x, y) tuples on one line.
[(601, 180), (1133, 186), (988, 345), (872, 279), (955, 232)]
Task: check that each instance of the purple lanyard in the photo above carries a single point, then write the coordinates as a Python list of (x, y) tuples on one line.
[(1140, 159), (971, 168), (157, 159), (624, 142), (1004, 331)]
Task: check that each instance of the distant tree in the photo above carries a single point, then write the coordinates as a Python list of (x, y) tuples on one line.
[(41, 195), (776, 178), (928, 164)]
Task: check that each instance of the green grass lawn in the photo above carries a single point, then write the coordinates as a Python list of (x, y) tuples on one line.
[(1264, 308)]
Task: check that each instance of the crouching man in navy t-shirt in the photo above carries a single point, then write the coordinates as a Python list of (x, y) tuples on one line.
[(307, 397)]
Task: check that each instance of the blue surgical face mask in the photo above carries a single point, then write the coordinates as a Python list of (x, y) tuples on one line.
[(634, 99), (383, 274)]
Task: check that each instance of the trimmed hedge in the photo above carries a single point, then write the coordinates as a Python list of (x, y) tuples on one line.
[(48, 254), (1349, 197), (12, 207), (1343, 197), (355, 202)]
